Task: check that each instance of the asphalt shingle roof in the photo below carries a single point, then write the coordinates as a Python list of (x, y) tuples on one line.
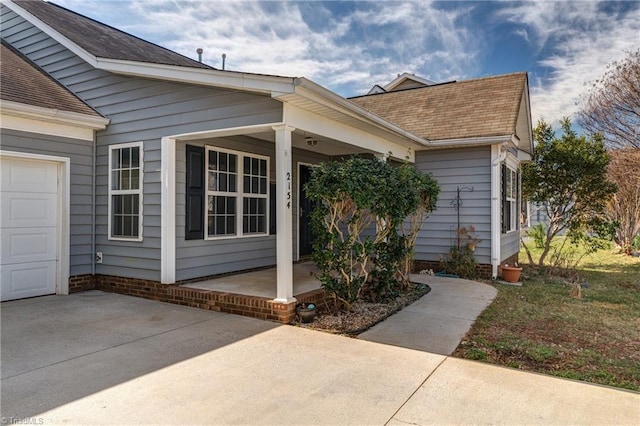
[(465, 109), (25, 83), (102, 40)]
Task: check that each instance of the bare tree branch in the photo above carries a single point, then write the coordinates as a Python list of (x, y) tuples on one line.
[(612, 104)]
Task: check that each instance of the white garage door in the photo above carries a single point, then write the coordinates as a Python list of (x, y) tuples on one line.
[(28, 228)]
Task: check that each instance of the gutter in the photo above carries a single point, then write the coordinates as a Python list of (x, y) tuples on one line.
[(17, 109), (93, 204), (473, 141)]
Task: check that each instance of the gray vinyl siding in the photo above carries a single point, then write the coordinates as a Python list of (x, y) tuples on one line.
[(140, 110), (199, 258), (509, 244), (79, 153), (463, 167)]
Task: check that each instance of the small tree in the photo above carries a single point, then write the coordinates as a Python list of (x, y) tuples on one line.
[(612, 105), (409, 197), (623, 209), (353, 197), (568, 177), (345, 192)]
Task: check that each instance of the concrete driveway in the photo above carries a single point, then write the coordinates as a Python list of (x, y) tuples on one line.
[(100, 358)]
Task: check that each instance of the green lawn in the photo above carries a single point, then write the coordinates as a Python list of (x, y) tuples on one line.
[(541, 327)]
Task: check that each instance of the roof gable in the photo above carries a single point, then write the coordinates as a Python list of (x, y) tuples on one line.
[(101, 40), (24, 83), (476, 108), (407, 81)]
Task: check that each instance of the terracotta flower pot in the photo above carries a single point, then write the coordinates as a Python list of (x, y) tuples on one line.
[(511, 274)]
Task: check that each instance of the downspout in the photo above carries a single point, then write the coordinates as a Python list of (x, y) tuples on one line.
[(498, 154), (93, 205)]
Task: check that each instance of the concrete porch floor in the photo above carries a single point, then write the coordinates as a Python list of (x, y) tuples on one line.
[(261, 283)]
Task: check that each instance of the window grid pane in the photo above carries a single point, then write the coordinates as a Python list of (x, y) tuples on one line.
[(125, 191), (254, 217), (223, 174), (511, 195), (221, 215), (255, 176), (124, 219)]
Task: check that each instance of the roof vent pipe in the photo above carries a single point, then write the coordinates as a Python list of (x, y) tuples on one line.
[(199, 52), (224, 57)]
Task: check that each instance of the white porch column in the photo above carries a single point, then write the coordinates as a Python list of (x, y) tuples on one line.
[(284, 222), (168, 212)]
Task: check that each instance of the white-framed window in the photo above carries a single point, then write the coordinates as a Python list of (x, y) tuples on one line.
[(510, 196), (126, 167), (237, 194)]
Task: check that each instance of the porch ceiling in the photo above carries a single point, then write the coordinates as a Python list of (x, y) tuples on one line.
[(322, 145)]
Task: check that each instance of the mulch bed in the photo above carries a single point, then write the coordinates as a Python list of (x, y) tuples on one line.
[(363, 315)]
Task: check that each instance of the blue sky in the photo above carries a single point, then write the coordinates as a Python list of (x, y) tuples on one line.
[(348, 46)]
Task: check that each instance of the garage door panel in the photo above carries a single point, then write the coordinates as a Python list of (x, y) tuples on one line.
[(29, 176), (28, 228), (28, 280), (21, 245), (28, 210)]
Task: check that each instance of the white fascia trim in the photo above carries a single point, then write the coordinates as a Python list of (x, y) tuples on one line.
[(209, 77), (64, 217), (318, 94), (54, 115), (485, 140), (86, 56), (311, 122), (529, 119), (228, 131), (33, 125)]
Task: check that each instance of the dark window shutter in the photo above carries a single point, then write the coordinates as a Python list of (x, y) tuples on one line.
[(505, 219), (194, 223)]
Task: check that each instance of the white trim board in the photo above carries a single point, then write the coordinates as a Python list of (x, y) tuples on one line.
[(64, 212), (44, 127)]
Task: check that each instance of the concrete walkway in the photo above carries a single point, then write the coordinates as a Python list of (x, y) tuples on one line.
[(100, 358), (438, 321)]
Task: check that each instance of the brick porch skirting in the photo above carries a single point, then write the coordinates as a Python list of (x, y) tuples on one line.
[(484, 270), (239, 304)]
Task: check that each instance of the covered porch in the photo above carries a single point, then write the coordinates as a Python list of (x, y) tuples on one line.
[(263, 282), (316, 125)]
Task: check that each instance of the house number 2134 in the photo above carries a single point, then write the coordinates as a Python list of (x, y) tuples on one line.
[(289, 190)]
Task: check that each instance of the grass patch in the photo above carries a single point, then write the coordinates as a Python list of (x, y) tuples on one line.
[(541, 327)]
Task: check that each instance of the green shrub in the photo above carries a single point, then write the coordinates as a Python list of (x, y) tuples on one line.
[(461, 260), (538, 233), (354, 196)]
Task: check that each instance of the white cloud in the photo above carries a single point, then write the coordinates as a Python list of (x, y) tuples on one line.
[(350, 46), (347, 49), (575, 42)]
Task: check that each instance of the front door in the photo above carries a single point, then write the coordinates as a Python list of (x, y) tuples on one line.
[(305, 207)]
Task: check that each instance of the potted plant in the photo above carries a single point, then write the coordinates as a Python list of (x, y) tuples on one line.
[(306, 312), (511, 274)]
